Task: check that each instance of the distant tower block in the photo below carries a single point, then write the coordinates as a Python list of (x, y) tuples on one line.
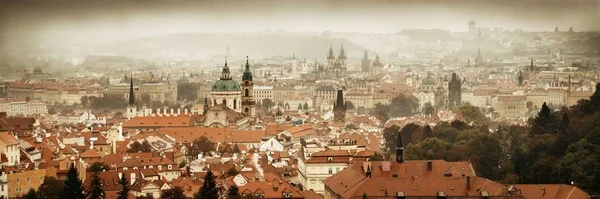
[(472, 25)]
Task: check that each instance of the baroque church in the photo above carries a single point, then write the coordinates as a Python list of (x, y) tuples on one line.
[(231, 104)]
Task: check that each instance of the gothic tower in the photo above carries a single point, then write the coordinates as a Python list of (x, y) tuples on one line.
[(248, 104), (131, 108), (366, 63), (479, 58), (342, 57), (339, 108), (520, 79), (330, 57), (377, 65), (454, 92)]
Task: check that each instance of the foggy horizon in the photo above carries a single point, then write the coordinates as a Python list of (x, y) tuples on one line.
[(110, 21)]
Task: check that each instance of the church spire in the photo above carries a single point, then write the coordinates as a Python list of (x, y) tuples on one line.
[(247, 73), (342, 55), (225, 74), (330, 56), (131, 94)]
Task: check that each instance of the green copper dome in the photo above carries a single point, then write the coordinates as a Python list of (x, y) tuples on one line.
[(226, 85), (428, 81)]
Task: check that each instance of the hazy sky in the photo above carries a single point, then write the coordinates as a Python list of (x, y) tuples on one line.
[(104, 20)]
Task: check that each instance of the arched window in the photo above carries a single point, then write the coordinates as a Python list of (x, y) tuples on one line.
[(246, 92), (225, 101), (246, 110), (234, 103)]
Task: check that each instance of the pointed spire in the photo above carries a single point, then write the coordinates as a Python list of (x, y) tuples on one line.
[(225, 74), (342, 55), (366, 56), (330, 56), (247, 76), (131, 94), (479, 33)]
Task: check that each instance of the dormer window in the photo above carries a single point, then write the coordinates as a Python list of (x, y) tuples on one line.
[(170, 167), (329, 159), (125, 168), (287, 195), (159, 167), (260, 195)]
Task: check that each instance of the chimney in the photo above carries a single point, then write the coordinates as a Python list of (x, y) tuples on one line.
[(178, 112), (185, 111), (120, 175), (429, 165), (132, 178), (468, 182), (543, 191), (171, 112), (368, 171)]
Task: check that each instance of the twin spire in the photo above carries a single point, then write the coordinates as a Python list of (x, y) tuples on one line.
[(331, 56)]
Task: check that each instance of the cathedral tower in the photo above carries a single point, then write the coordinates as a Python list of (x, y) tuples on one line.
[(339, 108), (330, 57), (248, 103), (377, 65)]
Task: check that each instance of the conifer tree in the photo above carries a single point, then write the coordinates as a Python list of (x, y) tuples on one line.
[(95, 191), (209, 188), (234, 192), (124, 193), (73, 185)]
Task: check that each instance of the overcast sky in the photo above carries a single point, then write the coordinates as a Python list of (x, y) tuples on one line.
[(110, 19)]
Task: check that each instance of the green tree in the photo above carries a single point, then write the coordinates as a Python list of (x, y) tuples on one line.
[(473, 114), (267, 104), (52, 111), (232, 171), (487, 155), (209, 188), (124, 193), (140, 147), (390, 136), (30, 194), (95, 190), (97, 167), (305, 106), (201, 145), (300, 106), (73, 185), (376, 157), (147, 196), (428, 149), (173, 193), (545, 122), (364, 196), (428, 109), (51, 188), (233, 193)]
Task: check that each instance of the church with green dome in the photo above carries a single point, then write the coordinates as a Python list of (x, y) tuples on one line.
[(227, 91)]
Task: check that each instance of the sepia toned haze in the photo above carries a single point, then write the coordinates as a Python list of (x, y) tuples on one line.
[(113, 20)]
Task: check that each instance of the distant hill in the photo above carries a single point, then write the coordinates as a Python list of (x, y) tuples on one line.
[(257, 44)]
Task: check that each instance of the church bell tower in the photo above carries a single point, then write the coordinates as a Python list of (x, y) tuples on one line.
[(248, 103)]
